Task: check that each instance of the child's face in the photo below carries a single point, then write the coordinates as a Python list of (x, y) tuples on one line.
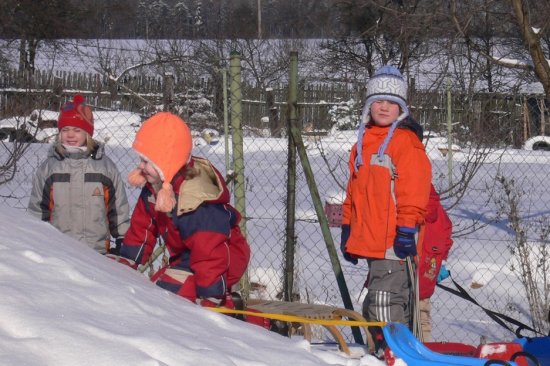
[(384, 112), (149, 172), (73, 136)]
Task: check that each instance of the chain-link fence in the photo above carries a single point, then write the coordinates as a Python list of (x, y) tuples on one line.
[(495, 190)]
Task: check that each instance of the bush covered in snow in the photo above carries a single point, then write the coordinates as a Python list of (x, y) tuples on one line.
[(196, 110), (344, 115)]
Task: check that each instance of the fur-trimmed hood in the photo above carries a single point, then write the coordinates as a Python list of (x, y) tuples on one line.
[(207, 185)]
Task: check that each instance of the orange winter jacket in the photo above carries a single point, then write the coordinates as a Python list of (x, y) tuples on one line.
[(377, 200)]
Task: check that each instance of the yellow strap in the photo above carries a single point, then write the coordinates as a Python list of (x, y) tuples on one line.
[(299, 319)]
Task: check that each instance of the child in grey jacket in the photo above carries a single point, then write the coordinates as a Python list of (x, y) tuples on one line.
[(78, 189)]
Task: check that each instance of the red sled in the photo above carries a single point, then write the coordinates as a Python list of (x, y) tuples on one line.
[(402, 344), (452, 348), (490, 351)]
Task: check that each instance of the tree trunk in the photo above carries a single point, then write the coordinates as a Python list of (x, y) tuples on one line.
[(533, 45)]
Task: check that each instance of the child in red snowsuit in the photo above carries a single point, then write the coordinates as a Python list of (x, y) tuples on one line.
[(437, 243), (431, 266), (185, 201)]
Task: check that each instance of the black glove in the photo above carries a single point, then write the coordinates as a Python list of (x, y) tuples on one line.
[(404, 244), (344, 236), (118, 244)]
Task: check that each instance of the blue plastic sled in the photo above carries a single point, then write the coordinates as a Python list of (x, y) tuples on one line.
[(538, 347), (405, 346)]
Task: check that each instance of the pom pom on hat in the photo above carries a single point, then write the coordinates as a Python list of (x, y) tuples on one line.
[(136, 179), (75, 113), (78, 99), (164, 140), (166, 199)]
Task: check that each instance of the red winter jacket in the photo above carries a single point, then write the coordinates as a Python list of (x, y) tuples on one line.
[(437, 243), (201, 234)]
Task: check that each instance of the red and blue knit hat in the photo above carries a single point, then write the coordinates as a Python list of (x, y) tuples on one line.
[(76, 114)]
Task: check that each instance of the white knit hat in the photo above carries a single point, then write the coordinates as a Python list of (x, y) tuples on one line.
[(387, 83)]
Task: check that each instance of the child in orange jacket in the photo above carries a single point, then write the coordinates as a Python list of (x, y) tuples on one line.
[(386, 198)]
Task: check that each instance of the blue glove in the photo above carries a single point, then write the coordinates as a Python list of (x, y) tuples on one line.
[(404, 244), (343, 240), (443, 273)]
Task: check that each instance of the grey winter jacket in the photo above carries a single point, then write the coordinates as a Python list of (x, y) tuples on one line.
[(81, 194)]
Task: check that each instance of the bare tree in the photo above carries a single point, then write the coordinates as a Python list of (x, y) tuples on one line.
[(521, 28), (376, 32), (34, 22)]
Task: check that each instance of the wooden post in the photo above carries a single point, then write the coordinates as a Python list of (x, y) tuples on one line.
[(290, 244), (168, 92), (228, 166), (542, 108), (274, 128), (112, 86), (57, 90), (525, 120), (450, 134), (98, 85), (238, 151)]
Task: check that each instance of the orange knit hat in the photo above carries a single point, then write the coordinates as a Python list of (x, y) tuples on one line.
[(164, 140)]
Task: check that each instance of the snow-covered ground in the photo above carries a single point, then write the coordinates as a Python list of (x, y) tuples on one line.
[(62, 304)]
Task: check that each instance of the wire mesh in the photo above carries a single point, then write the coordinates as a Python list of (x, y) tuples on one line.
[(486, 177)]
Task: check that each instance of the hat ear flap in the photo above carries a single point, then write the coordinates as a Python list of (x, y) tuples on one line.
[(136, 179), (166, 199)]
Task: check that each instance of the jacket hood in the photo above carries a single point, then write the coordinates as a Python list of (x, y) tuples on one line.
[(207, 186)]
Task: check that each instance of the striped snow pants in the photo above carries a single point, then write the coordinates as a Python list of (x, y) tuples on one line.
[(388, 293)]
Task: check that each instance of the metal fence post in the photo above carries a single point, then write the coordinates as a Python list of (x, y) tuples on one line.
[(290, 244), (238, 150), (449, 135), (323, 221), (228, 166)]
